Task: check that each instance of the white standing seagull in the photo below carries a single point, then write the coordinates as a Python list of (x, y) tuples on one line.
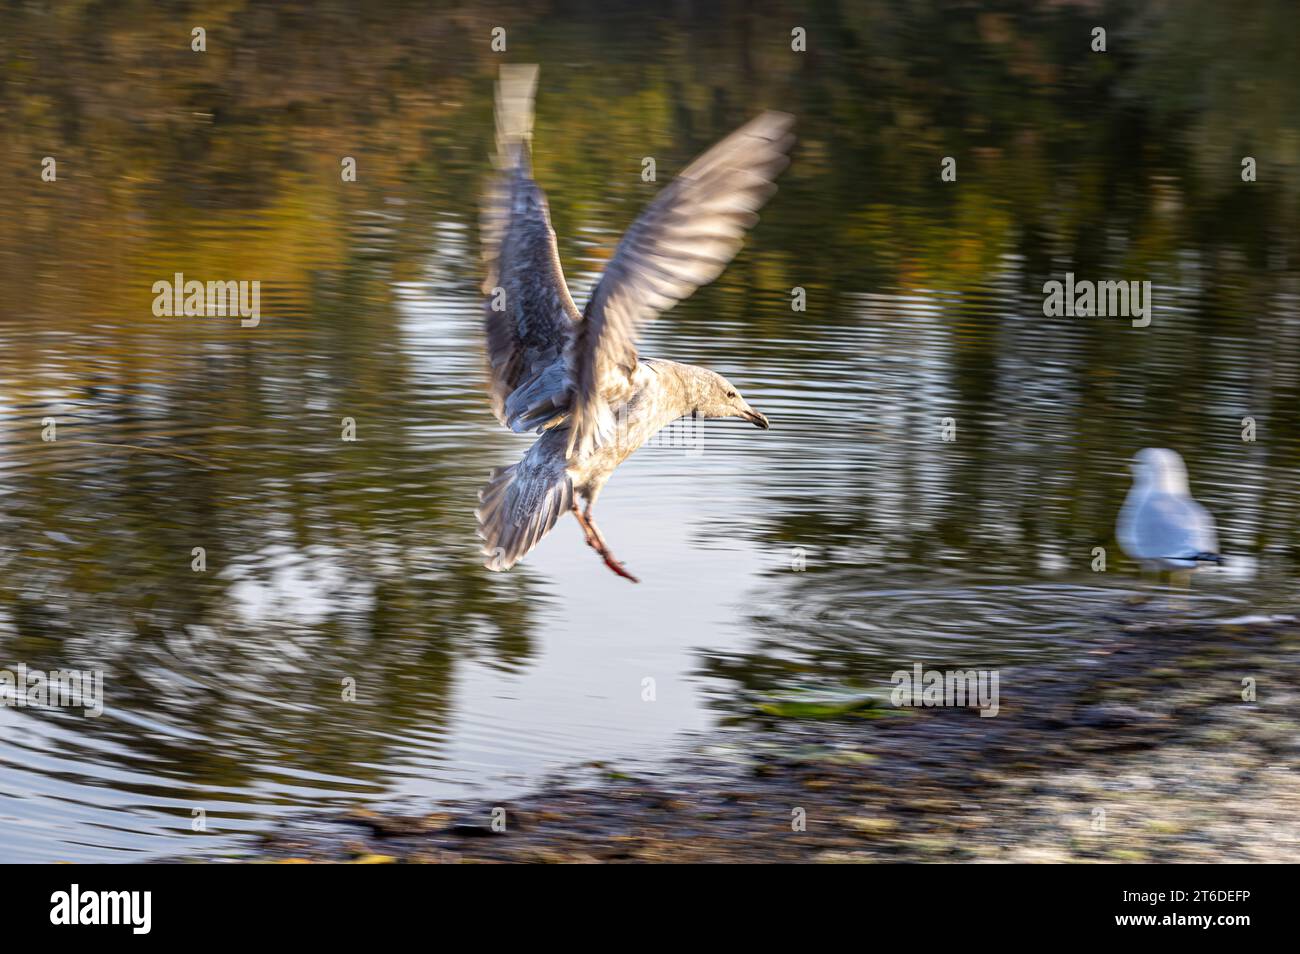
[(575, 377), (1160, 525)]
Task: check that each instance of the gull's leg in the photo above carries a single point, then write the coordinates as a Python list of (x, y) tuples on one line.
[(586, 530), (596, 540), (1151, 587), (1163, 590), (1180, 582), (1143, 594)]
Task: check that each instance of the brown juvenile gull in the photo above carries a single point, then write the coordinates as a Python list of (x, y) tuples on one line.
[(575, 377)]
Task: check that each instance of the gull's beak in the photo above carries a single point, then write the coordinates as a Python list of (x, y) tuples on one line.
[(758, 420)]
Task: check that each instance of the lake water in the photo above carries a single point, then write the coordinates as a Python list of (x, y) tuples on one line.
[(848, 541)]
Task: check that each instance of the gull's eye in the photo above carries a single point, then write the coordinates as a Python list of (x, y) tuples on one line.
[(731, 394)]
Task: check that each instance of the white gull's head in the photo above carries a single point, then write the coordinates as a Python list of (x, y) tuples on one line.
[(1155, 468)]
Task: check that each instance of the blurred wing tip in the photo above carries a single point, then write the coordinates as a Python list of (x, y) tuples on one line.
[(517, 82), (521, 71), (772, 124), (516, 89)]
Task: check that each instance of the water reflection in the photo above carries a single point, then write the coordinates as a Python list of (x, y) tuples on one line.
[(329, 561)]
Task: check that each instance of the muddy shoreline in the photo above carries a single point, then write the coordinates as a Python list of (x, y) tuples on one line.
[(1138, 747)]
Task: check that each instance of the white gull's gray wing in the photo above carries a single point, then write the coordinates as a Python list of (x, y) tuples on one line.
[(684, 239), (1169, 526), (528, 314)]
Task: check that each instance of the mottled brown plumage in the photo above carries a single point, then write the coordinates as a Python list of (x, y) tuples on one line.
[(576, 377)]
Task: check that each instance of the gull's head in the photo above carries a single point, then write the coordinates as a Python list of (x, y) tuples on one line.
[(717, 397), (1156, 468)]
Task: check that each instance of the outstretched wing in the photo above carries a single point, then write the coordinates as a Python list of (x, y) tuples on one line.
[(684, 239), (528, 313)]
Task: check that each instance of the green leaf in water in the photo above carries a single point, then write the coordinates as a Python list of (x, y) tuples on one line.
[(817, 703)]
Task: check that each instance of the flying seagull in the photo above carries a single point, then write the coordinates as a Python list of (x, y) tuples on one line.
[(575, 376), (1160, 525)]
